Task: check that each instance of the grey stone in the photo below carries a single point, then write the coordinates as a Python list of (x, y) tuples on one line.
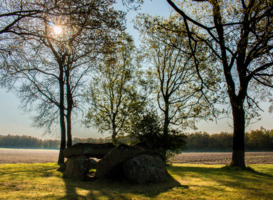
[(88, 150), (110, 166), (145, 169), (77, 167)]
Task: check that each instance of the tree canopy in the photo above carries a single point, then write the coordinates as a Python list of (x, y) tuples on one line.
[(114, 95), (240, 34), (56, 51)]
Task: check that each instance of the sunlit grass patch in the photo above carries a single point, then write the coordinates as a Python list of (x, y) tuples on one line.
[(220, 182), (187, 181)]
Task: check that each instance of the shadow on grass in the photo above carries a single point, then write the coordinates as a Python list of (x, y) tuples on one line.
[(248, 180), (226, 170), (30, 169), (109, 189), (249, 183), (249, 170)]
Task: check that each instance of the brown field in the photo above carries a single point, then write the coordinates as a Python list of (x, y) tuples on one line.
[(44, 156), (223, 158), (28, 156)]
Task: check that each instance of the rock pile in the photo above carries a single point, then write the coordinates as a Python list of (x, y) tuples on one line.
[(132, 163)]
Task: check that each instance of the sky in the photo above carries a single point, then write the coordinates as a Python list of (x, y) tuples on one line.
[(15, 121)]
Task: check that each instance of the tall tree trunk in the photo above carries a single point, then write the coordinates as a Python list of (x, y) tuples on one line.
[(238, 150), (62, 117), (165, 131), (69, 99), (69, 127), (63, 138), (166, 127), (114, 133)]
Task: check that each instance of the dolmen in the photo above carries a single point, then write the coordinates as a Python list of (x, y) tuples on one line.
[(132, 163)]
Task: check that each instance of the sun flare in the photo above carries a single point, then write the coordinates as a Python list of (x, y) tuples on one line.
[(57, 30)]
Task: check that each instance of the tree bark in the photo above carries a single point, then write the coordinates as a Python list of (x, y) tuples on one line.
[(69, 99), (166, 124), (63, 139), (69, 128), (238, 150), (166, 130), (114, 133), (62, 117)]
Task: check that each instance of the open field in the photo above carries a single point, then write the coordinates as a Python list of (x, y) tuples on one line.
[(44, 156), (223, 158), (28, 155), (187, 181)]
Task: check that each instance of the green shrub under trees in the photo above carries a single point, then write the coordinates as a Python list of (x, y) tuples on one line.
[(149, 132)]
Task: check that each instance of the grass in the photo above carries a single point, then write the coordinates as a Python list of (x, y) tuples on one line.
[(187, 181)]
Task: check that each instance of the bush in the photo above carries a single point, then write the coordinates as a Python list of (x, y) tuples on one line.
[(149, 133)]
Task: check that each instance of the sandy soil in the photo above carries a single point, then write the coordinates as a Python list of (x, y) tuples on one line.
[(43, 156)]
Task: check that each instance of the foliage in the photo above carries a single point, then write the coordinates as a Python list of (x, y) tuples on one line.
[(259, 140), (177, 87), (148, 129), (114, 95), (209, 142), (46, 60), (149, 132), (178, 90), (255, 140), (49, 68), (187, 181), (240, 35), (16, 141)]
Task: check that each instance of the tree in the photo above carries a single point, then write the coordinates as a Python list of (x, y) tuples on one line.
[(259, 140), (114, 92), (147, 132), (179, 93), (198, 141), (240, 34), (58, 51), (12, 12)]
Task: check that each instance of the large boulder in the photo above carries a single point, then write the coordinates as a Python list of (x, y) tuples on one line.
[(145, 169), (77, 167), (88, 150), (110, 166)]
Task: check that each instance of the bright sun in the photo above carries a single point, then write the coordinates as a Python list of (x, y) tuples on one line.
[(57, 30)]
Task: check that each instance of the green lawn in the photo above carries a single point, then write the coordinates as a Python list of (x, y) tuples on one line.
[(188, 181)]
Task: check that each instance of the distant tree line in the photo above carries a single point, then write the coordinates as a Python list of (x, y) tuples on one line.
[(17, 141), (256, 140)]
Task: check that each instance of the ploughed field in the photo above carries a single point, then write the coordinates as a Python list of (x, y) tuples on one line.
[(44, 156), (222, 158), (28, 156)]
